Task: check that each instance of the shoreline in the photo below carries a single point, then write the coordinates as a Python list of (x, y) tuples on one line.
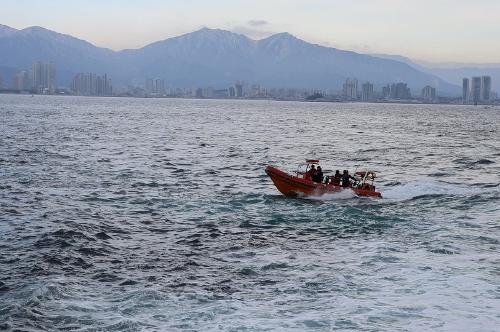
[(402, 102)]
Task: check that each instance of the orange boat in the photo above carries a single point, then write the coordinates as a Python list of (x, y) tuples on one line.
[(301, 184)]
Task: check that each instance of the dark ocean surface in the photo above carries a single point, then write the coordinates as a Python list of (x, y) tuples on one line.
[(156, 215)]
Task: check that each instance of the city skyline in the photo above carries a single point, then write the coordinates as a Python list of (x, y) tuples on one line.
[(476, 90), (462, 29), (42, 80)]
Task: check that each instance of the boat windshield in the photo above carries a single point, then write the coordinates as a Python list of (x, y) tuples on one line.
[(303, 168)]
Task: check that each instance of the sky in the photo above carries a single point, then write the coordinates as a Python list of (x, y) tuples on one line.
[(429, 30)]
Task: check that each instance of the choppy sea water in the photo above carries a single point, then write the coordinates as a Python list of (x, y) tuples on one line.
[(156, 215)]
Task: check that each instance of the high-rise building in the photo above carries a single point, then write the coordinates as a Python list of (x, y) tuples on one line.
[(208, 92), (350, 89), (238, 87), (43, 77), (22, 81), (465, 91), (493, 96), (386, 92), (475, 90), (160, 87), (103, 86), (36, 75), (485, 89), (198, 93), (256, 90), (479, 91), (88, 84), (367, 92), (84, 84), (400, 91), (429, 94), (149, 86), (155, 87)]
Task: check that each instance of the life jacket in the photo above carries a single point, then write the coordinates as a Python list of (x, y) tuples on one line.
[(345, 180), (318, 176), (312, 172)]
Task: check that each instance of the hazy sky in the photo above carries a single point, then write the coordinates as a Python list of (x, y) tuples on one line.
[(432, 30)]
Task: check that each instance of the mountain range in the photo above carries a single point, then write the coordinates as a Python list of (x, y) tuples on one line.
[(217, 58), (453, 71)]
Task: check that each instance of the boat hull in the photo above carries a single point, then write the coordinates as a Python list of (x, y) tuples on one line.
[(293, 186)]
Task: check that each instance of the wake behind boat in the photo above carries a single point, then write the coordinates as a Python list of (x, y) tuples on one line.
[(306, 182)]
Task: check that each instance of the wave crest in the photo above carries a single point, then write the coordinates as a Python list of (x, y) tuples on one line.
[(419, 188)]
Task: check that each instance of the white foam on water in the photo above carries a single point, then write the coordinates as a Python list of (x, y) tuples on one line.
[(334, 196), (429, 187)]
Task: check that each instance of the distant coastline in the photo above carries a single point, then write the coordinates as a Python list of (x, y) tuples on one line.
[(454, 101)]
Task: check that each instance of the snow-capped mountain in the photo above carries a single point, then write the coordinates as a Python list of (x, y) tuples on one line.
[(211, 57), (6, 31)]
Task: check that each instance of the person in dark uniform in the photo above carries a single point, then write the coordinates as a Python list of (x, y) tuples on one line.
[(346, 177), (319, 175), (336, 178), (312, 172)]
